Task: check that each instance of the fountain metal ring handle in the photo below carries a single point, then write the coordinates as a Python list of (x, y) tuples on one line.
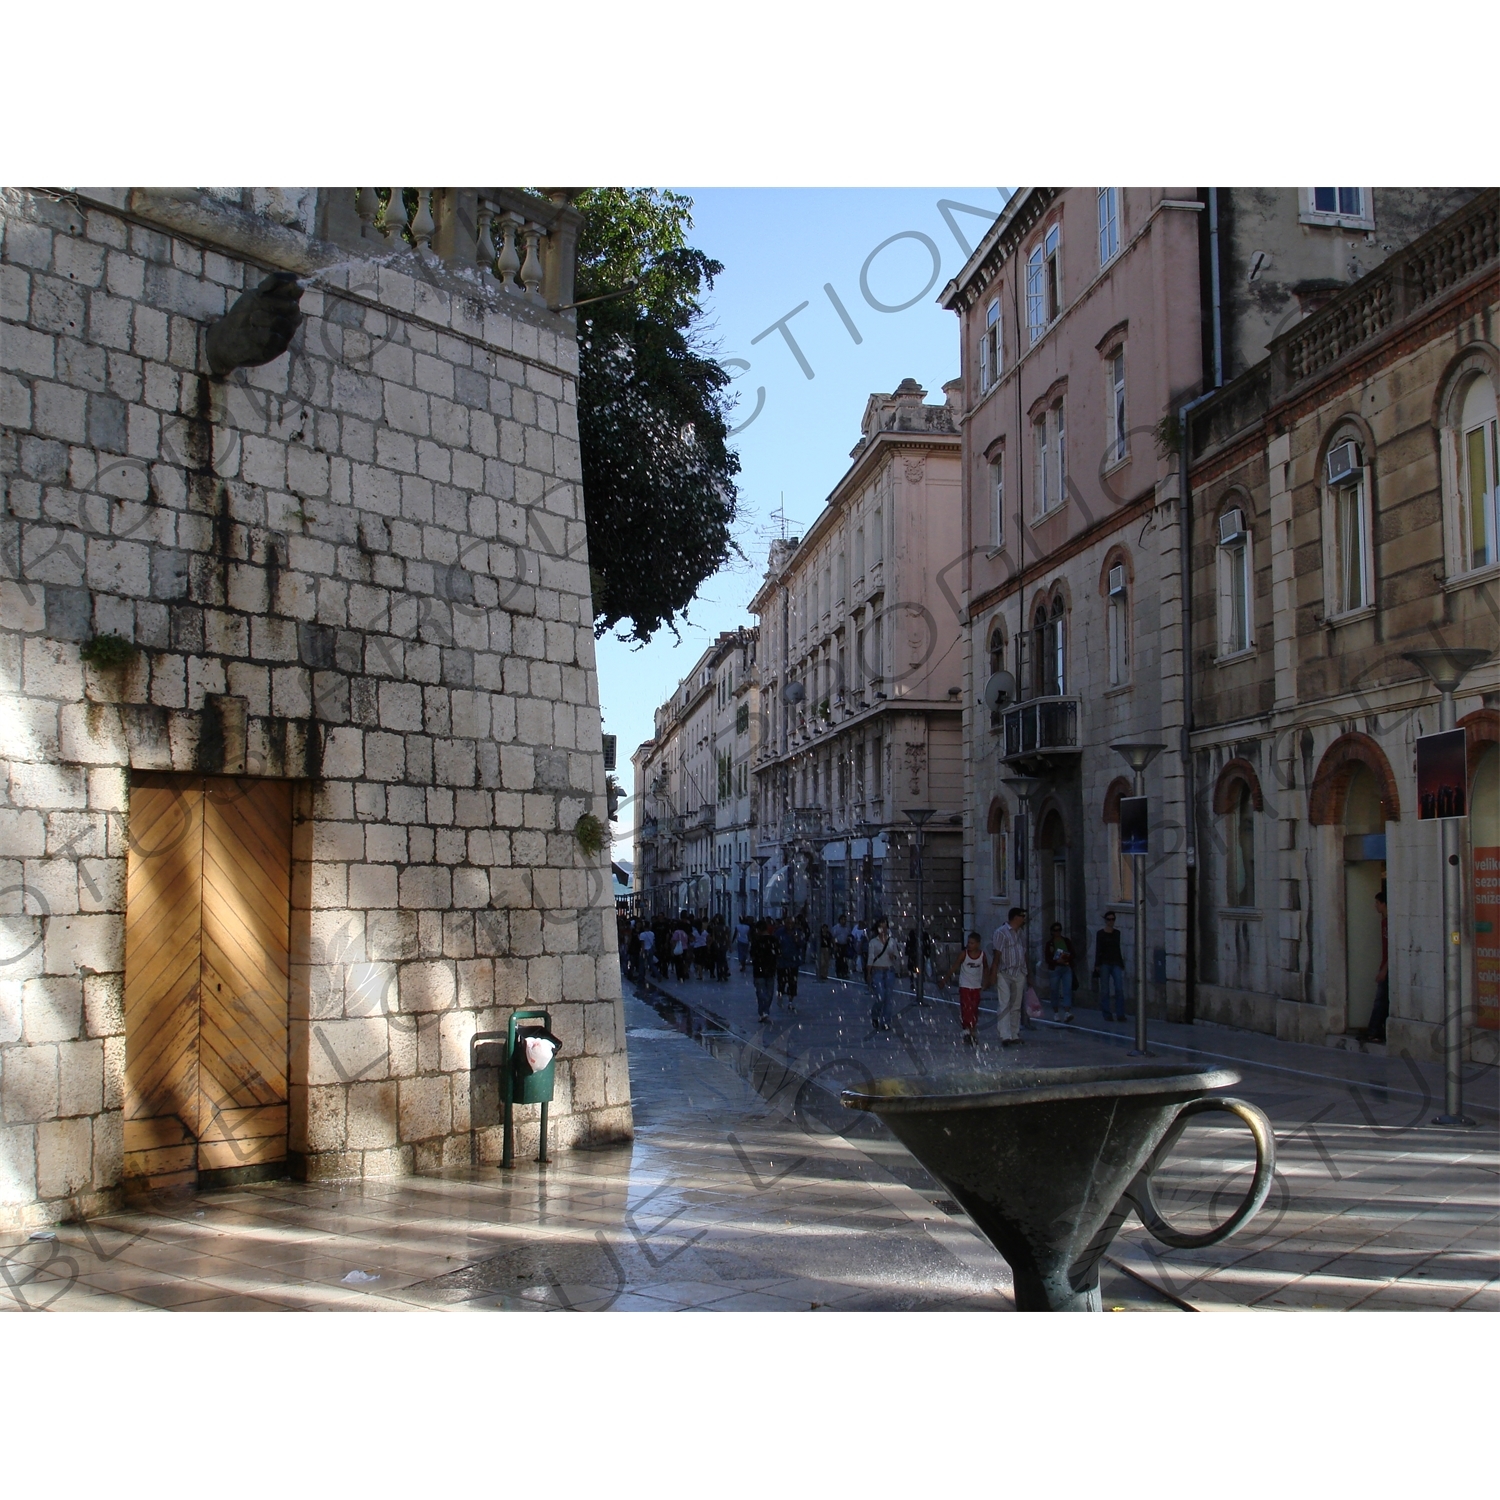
[(1138, 1194)]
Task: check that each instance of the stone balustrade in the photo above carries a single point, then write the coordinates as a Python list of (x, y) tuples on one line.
[(518, 243)]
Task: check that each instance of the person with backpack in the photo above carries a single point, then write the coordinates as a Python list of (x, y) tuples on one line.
[(742, 942), (880, 975)]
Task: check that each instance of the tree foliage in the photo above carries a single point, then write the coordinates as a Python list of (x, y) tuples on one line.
[(658, 476)]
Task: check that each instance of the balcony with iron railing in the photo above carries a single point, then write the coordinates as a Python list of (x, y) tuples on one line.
[(1042, 726)]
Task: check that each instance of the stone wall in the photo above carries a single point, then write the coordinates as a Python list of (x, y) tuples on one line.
[(361, 567)]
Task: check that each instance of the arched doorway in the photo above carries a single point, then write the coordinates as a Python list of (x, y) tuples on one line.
[(1052, 872), (1364, 878)]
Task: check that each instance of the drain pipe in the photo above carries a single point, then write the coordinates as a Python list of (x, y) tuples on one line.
[(1185, 550)]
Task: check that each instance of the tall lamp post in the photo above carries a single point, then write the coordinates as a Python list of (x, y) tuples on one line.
[(761, 861), (1447, 667), (868, 831), (919, 817), (1138, 757), (1025, 789)]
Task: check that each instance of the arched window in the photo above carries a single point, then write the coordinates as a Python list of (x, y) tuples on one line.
[(1240, 836), (1117, 596), (1348, 526), (999, 833), (1121, 866), (1478, 453), (997, 664), (1050, 638)]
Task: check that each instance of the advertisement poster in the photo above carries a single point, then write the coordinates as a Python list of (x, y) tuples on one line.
[(1442, 776), (1487, 937), (1133, 825)]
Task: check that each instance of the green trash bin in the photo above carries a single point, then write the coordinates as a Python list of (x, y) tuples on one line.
[(519, 1085)]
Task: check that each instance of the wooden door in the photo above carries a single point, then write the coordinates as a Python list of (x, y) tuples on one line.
[(206, 963)]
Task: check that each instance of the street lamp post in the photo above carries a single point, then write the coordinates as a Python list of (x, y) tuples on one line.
[(919, 817), (1138, 757), (761, 860), (1447, 668), (1025, 789), (868, 832)]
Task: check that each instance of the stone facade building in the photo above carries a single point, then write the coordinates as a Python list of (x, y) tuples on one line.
[(694, 810), (1090, 318), (860, 677), (1344, 513), (300, 709)]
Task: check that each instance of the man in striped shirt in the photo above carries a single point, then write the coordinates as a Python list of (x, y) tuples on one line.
[(1010, 975)]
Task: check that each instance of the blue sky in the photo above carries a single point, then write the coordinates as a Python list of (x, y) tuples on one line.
[(780, 248)]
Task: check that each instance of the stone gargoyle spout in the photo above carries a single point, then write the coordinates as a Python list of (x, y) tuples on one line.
[(259, 326)]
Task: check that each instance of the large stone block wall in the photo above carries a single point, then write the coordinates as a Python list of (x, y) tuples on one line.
[(361, 567)]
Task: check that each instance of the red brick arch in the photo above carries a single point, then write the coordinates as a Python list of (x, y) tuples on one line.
[(1225, 795), (1481, 730), (1325, 803)]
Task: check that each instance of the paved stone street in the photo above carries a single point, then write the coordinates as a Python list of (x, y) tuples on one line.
[(723, 1202), (748, 1187), (1373, 1207)]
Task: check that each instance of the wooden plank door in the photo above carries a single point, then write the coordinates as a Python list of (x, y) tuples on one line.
[(207, 940)]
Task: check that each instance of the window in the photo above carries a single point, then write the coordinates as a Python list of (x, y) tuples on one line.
[(1116, 440), (859, 553), (1234, 583), (1121, 869), (1347, 529), (1049, 643), (1109, 224), (1339, 207), (999, 852), (842, 575), (989, 346), (997, 664), (1044, 283), (1119, 626), (827, 596), (1337, 201), (1478, 465), (997, 501), (1241, 841), (877, 535), (1049, 441)]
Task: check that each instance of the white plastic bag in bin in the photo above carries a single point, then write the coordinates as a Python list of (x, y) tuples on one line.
[(539, 1051)]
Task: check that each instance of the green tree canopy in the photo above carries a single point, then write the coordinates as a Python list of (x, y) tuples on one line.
[(658, 476)]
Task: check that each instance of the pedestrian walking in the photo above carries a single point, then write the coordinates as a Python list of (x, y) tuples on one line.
[(841, 949), (742, 942), (1009, 964), (648, 945), (1380, 1012), (1109, 969), (764, 952), (880, 975), (825, 951), (680, 950), (1059, 959), (789, 955), (971, 970), (700, 950)]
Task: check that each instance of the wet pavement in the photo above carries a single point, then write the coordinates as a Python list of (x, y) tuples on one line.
[(1373, 1206), (749, 1187)]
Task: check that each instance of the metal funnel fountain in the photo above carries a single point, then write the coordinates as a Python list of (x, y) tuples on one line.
[(1048, 1161)]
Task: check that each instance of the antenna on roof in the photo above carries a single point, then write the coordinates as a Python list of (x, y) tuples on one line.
[(779, 515)]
